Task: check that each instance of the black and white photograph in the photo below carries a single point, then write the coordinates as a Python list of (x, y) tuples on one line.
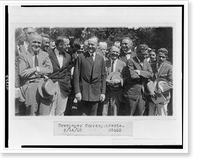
[(96, 77), (129, 75)]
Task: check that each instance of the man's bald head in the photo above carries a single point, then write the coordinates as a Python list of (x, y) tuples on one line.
[(94, 40), (35, 36), (127, 40), (35, 42)]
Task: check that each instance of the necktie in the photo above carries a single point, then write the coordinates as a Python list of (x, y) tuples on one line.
[(112, 68), (92, 55), (36, 64), (36, 60), (128, 55)]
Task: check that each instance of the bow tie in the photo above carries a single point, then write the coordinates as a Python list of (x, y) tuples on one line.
[(60, 53)]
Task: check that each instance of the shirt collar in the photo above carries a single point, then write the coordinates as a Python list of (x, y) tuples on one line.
[(128, 52), (113, 60), (138, 59), (57, 52), (33, 54), (93, 54)]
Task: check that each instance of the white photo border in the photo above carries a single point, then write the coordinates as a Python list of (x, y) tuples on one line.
[(14, 122)]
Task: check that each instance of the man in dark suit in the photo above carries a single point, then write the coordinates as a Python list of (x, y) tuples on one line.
[(61, 74), (137, 74), (89, 79), (34, 64), (114, 87), (126, 52)]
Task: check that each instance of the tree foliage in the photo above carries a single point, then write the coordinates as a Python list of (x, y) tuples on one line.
[(154, 37)]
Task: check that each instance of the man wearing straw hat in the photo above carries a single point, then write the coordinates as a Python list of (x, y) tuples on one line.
[(114, 68)]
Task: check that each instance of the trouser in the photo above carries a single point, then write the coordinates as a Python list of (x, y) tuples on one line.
[(68, 109), (88, 108), (152, 108), (100, 108), (134, 107), (20, 108), (111, 106), (158, 109), (162, 109), (35, 104), (59, 102)]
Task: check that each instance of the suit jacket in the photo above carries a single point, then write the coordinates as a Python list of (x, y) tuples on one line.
[(61, 75), (133, 82), (165, 72), (17, 79), (119, 66), (22, 47), (26, 70), (123, 58), (89, 76)]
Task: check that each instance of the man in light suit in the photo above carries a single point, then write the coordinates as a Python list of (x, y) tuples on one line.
[(114, 88), (33, 65), (61, 74), (138, 72), (164, 73), (89, 79)]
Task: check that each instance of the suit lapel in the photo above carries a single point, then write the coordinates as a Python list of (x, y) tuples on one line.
[(40, 58), (89, 59), (29, 58), (22, 48), (53, 56), (161, 69), (117, 66), (66, 59), (137, 64), (96, 61), (109, 66), (145, 65)]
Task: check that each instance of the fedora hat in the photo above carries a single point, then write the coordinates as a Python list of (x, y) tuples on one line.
[(164, 85), (46, 89), (115, 76), (150, 88)]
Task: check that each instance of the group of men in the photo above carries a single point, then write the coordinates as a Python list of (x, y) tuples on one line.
[(109, 83)]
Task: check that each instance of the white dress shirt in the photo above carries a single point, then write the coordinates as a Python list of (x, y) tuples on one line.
[(37, 67), (128, 55), (115, 63), (94, 54), (59, 57)]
